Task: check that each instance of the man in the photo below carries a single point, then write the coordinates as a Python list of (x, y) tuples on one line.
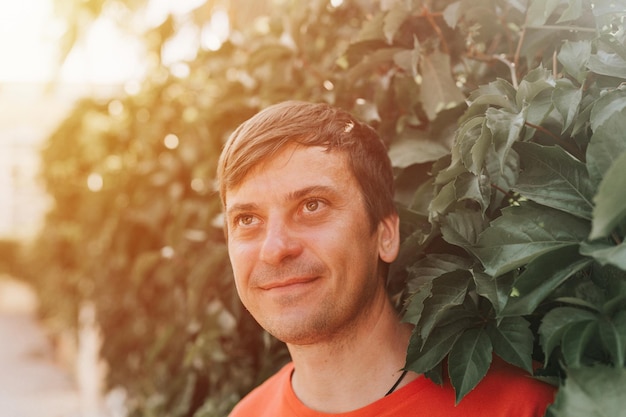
[(311, 225)]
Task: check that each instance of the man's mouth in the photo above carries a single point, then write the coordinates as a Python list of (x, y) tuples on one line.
[(287, 283)]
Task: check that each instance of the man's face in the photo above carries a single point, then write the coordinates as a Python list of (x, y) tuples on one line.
[(304, 257)]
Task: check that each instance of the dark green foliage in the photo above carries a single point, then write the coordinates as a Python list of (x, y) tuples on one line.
[(505, 125), (526, 194)]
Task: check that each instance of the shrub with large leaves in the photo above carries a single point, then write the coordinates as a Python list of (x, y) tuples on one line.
[(532, 193)]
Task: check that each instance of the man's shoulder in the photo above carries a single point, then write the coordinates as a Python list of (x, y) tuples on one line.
[(509, 388), (504, 391), (267, 397), (511, 376)]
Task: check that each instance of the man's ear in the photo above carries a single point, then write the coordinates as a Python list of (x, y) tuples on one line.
[(389, 238)]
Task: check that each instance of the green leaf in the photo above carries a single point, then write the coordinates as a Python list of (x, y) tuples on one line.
[(610, 105), (592, 392), (525, 232), (502, 175), (414, 305), (566, 99), (421, 199), (616, 302), (533, 84), (423, 356), (445, 198), (538, 111), (613, 336), (607, 143), (541, 277), (612, 7), (496, 290), (610, 209), (512, 340), (608, 122), (469, 361), (371, 61), (462, 227), (574, 57), (605, 253), (413, 192), (577, 302), (499, 93), (474, 142), (433, 266), (505, 129), (470, 187), (465, 138), (438, 89), (408, 59), (436, 374), (406, 152), (606, 63), (394, 20), (551, 177), (421, 277), (573, 11), (448, 291), (575, 340), (540, 10), (582, 122), (556, 322)]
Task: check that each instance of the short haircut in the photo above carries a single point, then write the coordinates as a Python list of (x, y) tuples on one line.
[(311, 124)]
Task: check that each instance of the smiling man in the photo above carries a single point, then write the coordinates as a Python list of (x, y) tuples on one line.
[(311, 225)]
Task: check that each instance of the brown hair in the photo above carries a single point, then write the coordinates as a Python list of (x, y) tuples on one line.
[(310, 124)]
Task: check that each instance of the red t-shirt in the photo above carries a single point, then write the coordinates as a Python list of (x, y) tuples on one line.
[(506, 391)]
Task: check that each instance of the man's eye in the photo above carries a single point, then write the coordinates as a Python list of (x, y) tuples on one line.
[(244, 220), (312, 205)]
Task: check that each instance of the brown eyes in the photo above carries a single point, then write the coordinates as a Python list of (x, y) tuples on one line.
[(312, 205), (249, 220), (245, 220)]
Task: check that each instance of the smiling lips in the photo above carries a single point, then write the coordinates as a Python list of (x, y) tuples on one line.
[(287, 283)]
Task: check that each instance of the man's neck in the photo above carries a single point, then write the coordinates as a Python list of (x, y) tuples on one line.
[(355, 369)]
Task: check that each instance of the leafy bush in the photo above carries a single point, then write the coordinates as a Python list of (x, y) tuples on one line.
[(505, 126), (530, 192)]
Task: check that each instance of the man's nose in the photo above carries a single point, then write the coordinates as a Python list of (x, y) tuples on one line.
[(279, 244)]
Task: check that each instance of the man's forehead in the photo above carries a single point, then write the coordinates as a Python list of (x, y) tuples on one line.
[(303, 167)]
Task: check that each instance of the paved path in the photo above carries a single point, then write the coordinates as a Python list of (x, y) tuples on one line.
[(31, 383)]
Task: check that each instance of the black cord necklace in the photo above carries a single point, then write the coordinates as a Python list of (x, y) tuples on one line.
[(397, 382)]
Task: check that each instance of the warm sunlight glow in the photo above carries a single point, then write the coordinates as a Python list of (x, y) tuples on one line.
[(216, 31), (95, 182), (106, 56), (171, 141), (27, 38)]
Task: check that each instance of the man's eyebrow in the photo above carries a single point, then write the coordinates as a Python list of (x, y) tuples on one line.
[(294, 195), (307, 191), (236, 208)]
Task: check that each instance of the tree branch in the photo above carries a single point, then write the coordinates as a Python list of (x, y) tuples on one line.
[(429, 16)]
